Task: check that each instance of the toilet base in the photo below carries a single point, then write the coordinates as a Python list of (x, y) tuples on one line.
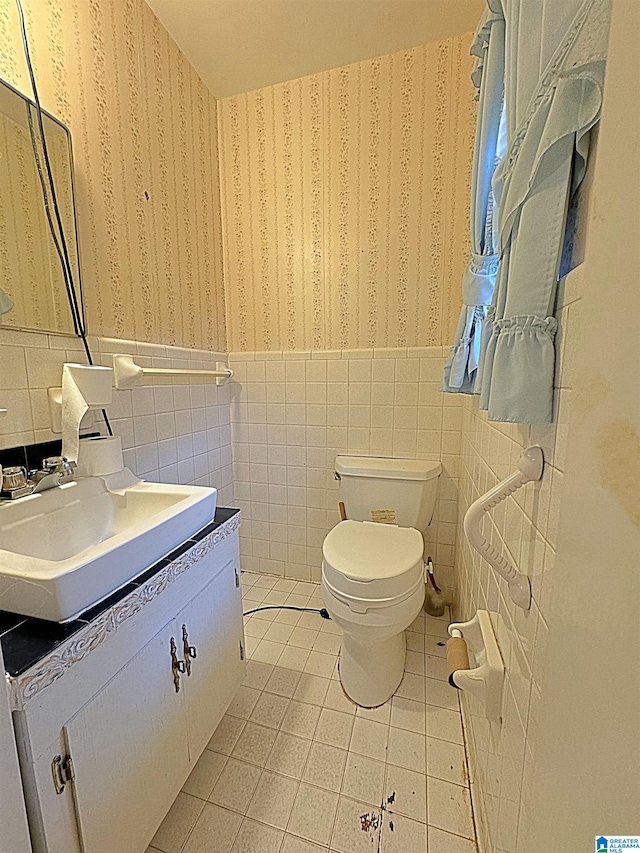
[(371, 672)]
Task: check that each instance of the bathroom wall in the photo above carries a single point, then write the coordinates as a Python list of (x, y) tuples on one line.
[(345, 207), (581, 774), (525, 527), (144, 134), (562, 767), (175, 431), (292, 412), (346, 204)]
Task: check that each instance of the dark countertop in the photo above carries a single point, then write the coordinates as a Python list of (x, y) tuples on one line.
[(26, 640)]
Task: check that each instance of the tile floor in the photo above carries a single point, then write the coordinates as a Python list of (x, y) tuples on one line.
[(296, 767)]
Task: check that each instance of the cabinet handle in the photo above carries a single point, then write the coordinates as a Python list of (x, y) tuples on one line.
[(190, 652), (62, 772), (177, 665)]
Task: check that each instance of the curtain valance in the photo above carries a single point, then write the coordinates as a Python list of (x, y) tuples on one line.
[(554, 62)]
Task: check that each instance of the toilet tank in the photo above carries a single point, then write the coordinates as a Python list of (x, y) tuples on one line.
[(391, 491)]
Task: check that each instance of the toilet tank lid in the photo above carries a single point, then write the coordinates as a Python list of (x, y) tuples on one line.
[(386, 468)]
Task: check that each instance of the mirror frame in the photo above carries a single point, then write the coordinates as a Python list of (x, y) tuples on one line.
[(78, 283)]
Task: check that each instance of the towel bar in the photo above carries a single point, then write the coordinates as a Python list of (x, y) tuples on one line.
[(127, 374)]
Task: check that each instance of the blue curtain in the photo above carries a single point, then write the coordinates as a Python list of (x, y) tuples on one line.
[(479, 277), (554, 63)]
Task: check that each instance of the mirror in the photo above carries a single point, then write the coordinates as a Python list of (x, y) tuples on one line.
[(32, 287)]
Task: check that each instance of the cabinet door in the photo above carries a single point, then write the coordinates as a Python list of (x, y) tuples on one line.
[(213, 622), (130, 751)]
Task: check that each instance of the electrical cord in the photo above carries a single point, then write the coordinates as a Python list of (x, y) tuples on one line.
[(71, 296), (61, 247), (45, 152), (323, 612)]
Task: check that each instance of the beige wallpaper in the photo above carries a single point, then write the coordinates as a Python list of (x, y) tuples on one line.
[(345, 203), (144, 133)]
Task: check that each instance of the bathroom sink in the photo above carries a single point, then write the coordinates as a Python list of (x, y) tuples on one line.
[(68, 548)]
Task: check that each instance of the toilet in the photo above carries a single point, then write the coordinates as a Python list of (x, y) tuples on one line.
[(373, 568)]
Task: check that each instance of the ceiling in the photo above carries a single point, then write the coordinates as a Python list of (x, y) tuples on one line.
[(241, 45)]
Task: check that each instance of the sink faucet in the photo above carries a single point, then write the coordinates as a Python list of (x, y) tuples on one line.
[(55, 471)]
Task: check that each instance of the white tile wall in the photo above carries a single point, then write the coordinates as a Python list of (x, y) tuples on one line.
[(176, 430), (31, 362), (525, 527), (291, 414)]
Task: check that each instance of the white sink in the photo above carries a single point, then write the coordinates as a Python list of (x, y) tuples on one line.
[(68, 548)]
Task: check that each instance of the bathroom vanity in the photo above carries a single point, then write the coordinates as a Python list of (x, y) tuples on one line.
[(113, 709)]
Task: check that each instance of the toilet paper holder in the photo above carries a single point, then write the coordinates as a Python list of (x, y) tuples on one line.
[(485, 681)]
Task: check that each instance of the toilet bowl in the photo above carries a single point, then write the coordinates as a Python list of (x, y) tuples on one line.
[(373, 587), (372, 567)]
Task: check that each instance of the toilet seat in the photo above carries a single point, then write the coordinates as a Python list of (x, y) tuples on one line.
[(369, 565)]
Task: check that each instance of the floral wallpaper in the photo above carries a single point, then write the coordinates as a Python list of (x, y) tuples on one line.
[(344, 194), (345, 200), (144, 134)]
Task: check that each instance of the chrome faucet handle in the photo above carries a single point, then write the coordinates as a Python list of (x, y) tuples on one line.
[(14, 483), (58, 465), (53, 464), (14, 477)]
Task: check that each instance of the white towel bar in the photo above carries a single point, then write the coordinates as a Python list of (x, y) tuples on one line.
[(127, 374), (530, 468)]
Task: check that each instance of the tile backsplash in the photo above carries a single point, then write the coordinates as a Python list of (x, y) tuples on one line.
[(31, 456), (175, 430), (292, 412)]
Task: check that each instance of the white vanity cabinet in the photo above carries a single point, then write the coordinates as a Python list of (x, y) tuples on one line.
[(130, 717)]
